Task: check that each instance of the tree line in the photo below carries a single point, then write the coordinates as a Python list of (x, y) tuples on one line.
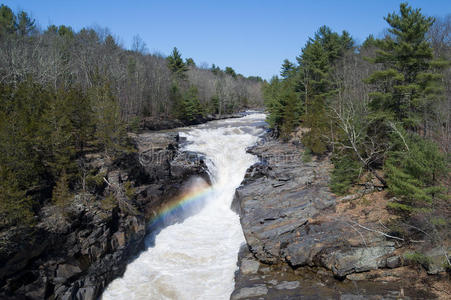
[(67, 94), (381, 109)]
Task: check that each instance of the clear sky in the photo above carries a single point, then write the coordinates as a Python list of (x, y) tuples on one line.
[(251, 36)]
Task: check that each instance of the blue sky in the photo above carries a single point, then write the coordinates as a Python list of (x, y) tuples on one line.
[(251, 36)]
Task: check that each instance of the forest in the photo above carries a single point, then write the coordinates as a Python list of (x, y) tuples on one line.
[(64, 94), (380, 109)]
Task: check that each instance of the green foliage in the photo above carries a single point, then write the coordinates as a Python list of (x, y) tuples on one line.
[(305, 90), (129, 190), (95, 182), (109, 202), (307, 155), (283, 105), (230, 71), (412, 172), (15, 205), (25, 25), (316, 119), (407, 83), (134, 124), (214, 105), (215, 69), (345, 173), (288, 69), (190, 62), (61, 194), (44, 132), (187, 105), (110, 132), (7, 21), (176, 64), (417, 258), (191, 107)]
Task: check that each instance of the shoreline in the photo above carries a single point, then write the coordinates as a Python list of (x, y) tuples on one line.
[(301, 242)]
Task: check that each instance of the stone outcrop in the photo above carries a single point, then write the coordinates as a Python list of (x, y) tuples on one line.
[(74, 253), (281, 201), (292, 225), (155, 123)]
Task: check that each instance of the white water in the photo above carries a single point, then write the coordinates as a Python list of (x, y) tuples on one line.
[(196, 259)]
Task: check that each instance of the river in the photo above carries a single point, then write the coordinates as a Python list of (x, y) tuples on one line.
[(193, 250)]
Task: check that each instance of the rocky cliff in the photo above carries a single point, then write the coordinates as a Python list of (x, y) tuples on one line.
[(305, 242), (75, 251)]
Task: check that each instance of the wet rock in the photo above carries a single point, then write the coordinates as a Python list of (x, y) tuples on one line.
[(287, 285), (118, 240), (80, 252), (157, 123), (87, 293), (249, 266), (248, 292)]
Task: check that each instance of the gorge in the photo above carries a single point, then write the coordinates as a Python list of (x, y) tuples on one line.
[(196, 258)]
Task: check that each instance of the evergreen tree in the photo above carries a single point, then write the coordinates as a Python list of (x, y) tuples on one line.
[(15, 205), (176, 64), (406, 82), (215, 69), (192, 108), (7, 21), (214, 104), (287, 69), (275, 108), (230, 71), (110, 131), (25, 25), (345, 173), (190, 62), (61, 195), (412, 169)]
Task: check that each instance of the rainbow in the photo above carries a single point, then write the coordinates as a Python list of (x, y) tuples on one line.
[(194, 193)]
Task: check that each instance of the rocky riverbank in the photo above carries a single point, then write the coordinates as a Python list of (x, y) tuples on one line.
[(75, 251), (303, 242), (154, 123)]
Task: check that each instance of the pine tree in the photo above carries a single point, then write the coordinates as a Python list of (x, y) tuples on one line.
[(287, 70), (190, 62), (345, 173), (315, 85), (7, 21), (230, 71), (15, 205), (25, 25), (176, 64), (275, 108), (407, 80), (315, 62), (412, 171), (110, 131), (61, 195)]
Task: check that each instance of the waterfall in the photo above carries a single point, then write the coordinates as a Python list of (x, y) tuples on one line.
[(196, 258)]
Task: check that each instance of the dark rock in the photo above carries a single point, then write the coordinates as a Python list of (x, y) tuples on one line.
[(298, 240), (393, 262), (67, 271), (75, 256), (155, 123)]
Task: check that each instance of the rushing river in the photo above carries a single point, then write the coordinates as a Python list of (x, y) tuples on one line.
[(196, 258)]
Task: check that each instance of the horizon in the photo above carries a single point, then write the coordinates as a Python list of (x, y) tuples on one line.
[(253, 40)]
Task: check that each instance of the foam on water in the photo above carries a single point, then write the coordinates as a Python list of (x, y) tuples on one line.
[(196, 258)]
